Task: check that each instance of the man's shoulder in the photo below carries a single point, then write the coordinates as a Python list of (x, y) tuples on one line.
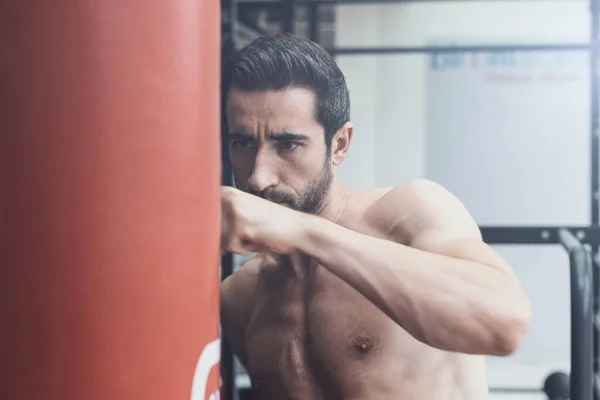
[(418, 188), (407, 209), (416, 195)]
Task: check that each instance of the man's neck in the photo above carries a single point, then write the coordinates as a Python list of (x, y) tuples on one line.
[(335, 203)]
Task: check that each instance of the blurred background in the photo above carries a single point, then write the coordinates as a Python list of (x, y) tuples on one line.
[(494, 99)]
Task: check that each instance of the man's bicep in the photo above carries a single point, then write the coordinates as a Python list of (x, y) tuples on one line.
[(464, 248)]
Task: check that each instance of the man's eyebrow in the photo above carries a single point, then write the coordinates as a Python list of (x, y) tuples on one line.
[(281, 136), (240, 136), (285, 136)]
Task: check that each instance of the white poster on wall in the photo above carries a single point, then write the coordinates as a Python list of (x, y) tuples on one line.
[(509, 133)]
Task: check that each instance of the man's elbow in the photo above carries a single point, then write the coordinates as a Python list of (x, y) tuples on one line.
[(510, 330)]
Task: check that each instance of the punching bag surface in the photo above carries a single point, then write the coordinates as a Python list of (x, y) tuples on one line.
[(109, 199)]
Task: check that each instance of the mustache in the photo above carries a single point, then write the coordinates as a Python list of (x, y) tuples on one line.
[(273, 195)]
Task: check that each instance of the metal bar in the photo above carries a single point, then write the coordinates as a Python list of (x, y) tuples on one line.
[(228, 21), (595, 110), (594, 176), (227, 355), (596, 311), (513, 390), (537, 235), (260, 6), (568, 241), (254, 5), (582, 319), (244, 18), (242, 30), (289, 16), (402, 1), (227, 48), (312, 16), (460, 49), (229, 26), (596, 287), (271, 2), (596, 330)]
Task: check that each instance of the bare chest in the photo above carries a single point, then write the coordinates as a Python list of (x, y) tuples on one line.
[(313, 333)]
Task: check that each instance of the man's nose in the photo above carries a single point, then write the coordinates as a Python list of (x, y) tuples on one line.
[(263, 175)]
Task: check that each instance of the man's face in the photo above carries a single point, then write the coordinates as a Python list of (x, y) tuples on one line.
[(277, 147)]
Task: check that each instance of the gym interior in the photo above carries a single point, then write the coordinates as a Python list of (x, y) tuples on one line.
[(521, 84), (113, 162)]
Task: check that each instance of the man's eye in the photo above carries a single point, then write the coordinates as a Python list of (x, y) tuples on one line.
[(240, 144), (288, 146)]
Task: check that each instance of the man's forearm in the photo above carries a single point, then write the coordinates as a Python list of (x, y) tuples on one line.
[(445, 302)]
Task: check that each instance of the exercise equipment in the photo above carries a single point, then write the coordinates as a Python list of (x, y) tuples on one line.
[(110, 200), (556, 386)]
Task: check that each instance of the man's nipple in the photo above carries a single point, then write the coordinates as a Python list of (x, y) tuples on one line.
[(363, 344)]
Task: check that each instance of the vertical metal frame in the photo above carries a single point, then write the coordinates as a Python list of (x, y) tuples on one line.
[(228, 25), (312, 16), (595, 109), (595, 166), (582, 374), (288, 20)]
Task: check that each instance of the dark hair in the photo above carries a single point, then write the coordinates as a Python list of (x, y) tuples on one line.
[(282, 61)]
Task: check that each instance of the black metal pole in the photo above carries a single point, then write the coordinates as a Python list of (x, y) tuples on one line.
[(312, 16), (582, 326), (595, 109), (460, 49), (267, 3), (595, 168), (568, 240), (537, 234), (582, 317), (228, 29), (288, 18), (227, 356)]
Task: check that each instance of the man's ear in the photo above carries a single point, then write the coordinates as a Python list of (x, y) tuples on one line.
[(341, 143)]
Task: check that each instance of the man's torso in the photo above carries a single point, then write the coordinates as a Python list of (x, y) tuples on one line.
[(309, 335)]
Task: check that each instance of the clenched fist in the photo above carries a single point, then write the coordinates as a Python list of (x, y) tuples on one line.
[(252, 224)]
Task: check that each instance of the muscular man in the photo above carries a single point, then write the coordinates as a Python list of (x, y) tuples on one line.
[(379, 294)]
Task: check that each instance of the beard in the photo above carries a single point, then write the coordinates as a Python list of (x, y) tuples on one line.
[(309, 200)]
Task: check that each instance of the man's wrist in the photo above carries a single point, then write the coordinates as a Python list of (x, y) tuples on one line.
[(309, 229)]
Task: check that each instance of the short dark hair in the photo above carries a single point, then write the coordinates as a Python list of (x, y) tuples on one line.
[(282, 61)]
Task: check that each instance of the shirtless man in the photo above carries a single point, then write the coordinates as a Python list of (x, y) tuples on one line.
[(377, 294)]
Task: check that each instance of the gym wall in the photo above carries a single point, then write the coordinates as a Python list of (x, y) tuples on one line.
[(529, 160)]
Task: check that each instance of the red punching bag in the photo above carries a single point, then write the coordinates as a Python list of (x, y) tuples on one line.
[(109, 199)]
